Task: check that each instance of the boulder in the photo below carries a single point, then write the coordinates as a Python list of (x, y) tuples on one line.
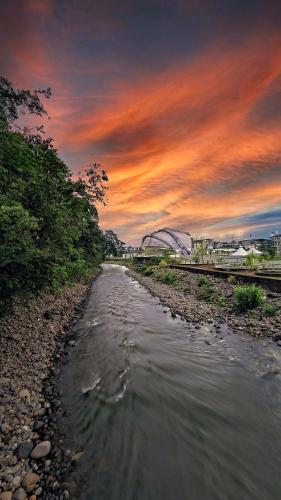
[(41, 450)]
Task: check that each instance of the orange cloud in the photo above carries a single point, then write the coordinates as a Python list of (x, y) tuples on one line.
[(184, 144), (189, 146)]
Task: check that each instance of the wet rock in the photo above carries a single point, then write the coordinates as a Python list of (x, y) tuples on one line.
[(77, 456), (29, 481), (71, 487), (24, 450), (41, 450)]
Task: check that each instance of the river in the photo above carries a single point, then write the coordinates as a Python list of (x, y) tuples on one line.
[(166, 410)]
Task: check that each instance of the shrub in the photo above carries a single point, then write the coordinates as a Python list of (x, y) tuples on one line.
[(163, 263), (232, 280), (249, 297), (148, 271), (168, 277), (205, 293), (221, 300), (202, 280), (270, 309)]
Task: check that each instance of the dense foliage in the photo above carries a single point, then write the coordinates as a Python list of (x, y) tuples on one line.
[(112, 245), (249, 296), (49, 233)]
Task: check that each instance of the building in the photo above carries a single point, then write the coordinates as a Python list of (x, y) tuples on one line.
[(204, 245), (276, 240), (257, 243), (178, 242)]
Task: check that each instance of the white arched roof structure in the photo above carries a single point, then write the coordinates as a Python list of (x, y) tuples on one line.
[(179, 241)]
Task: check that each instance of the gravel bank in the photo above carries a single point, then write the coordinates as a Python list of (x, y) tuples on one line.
[(32, 343), (186, 304)]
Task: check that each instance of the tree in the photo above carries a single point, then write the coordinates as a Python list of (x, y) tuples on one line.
[(112, 245), (49, 232)]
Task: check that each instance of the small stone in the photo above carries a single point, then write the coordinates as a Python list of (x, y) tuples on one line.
[(6, 495), (40, 412), (2, 392), (5, 428), (39, 491), (41, 450), (24, 394), (24, 449), (19, 494), (72, 343), (77, 456), (71, 487), (278, 343), (29, 481), (38, 425), (16, 482)]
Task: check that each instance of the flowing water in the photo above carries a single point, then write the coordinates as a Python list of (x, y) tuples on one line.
[(166, 411)]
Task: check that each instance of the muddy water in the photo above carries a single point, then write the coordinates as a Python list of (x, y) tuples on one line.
[(166, 411)]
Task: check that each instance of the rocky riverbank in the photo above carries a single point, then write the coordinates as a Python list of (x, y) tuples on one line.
[(32, 342), (185, 302)]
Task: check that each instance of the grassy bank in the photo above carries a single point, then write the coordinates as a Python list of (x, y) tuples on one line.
[(248, 308)]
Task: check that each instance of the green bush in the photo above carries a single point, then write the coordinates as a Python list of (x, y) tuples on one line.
[(270, 309), (148, 271), (202, 280), (168, 277), (249, 297)]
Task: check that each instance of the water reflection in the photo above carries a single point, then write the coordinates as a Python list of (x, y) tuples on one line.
[(166, 411)]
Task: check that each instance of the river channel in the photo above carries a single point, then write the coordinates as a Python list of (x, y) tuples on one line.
[(165, 410)]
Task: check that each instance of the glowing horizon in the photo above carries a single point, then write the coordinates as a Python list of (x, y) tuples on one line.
[(189, 132)]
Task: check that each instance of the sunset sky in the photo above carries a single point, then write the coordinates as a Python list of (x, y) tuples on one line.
[(179, 100)]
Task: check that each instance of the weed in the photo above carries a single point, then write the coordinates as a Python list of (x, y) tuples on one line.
[(202, 280), (270, 309)]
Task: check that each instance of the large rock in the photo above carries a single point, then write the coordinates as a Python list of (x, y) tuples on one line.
[(24, 450), (41, 450), (30, 481)]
